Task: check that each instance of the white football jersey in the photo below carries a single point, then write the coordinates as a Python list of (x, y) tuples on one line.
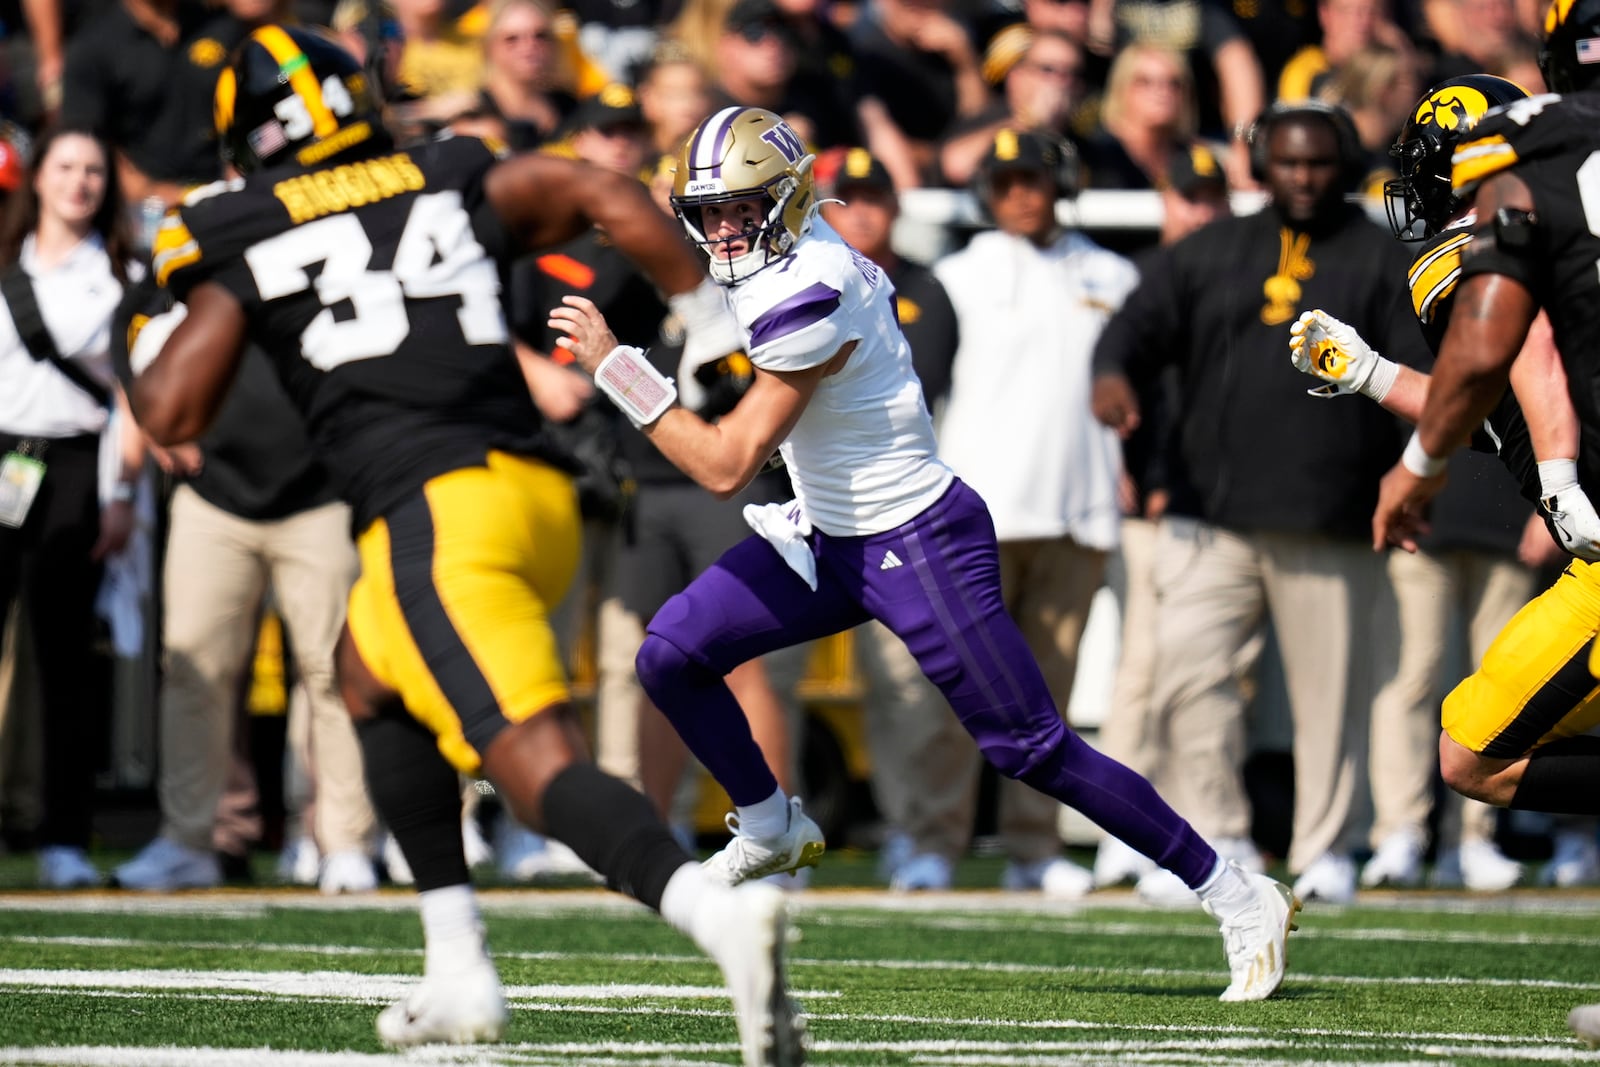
[(862, 457)]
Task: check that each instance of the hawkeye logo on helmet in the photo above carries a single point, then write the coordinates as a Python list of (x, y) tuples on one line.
[(704, 187), (786, 141), (1453, 108)]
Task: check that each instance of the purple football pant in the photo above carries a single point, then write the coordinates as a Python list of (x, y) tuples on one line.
[(935, 582)]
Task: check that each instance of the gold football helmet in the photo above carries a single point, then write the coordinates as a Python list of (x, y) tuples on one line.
[(738, 154)]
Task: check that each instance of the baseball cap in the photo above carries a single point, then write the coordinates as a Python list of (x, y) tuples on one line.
[(840, 167), (1023, 150), (1195, 170), (614, 105), (752, 19)]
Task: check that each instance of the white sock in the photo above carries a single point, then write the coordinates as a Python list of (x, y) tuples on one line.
[(684, 900), (451, 929), (1227, 891), (769, 818)]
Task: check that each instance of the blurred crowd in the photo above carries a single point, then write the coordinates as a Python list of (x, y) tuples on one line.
[(1025, 103)]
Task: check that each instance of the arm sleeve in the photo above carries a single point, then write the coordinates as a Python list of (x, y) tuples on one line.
[(1141, 337)]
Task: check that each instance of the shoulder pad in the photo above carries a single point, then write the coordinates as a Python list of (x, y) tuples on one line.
[(1435, 271), (213, 222), (1539, 126)]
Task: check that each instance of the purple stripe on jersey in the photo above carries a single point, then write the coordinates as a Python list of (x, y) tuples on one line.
[(810, 305)]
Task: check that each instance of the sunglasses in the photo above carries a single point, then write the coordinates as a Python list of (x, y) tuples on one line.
[(1054, 70), (756, 32)]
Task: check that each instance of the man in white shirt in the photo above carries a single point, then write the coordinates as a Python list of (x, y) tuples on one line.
[(1032, 297), (879, 529)]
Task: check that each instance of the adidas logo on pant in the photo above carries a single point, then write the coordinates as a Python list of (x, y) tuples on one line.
[(890, 561)]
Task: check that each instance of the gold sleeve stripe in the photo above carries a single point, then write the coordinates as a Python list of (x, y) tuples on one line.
[(175, 247), (222, 103), (1476, 160), (1556, 15), (1434, 275), (302, 79)]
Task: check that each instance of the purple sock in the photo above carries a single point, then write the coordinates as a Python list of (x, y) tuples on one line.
[(1124, 804)]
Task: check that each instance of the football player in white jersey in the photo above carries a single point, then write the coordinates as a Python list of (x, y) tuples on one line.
[(879, 529)]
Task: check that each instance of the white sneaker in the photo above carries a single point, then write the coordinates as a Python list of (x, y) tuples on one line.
[(1396, 861), (1480, 866), (164, 865), (1576, 860), (1053, 876), (1331, 878), (299, 862), (459, 1009), (347, 871), (394, 861), (518, 850), (897, 848), (928, 872), (744, 858), (64, 867), (748, 944), (1116, 862), (1163, 889), (1585, 1022), (1256, 940), (472, 842), (1242, 851)]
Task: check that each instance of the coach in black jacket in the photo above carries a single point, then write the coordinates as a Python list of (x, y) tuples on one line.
[(1271, 489)]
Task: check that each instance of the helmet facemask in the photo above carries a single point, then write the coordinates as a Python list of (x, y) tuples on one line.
[(767, 242), (1422, 193)]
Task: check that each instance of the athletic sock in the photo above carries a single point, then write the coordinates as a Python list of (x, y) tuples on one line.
[(690, 897), (613, 829), (1560, 778), (767, 818), (417, 794), (1227, 891), (451, 929)]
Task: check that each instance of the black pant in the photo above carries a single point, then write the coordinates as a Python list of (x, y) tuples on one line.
[(48, 560)]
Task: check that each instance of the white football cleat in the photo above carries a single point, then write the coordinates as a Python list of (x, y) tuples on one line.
[(1256, 940), (1396, 861), (748, 944), (1585, 1022), (462, 1008), (744, 858)]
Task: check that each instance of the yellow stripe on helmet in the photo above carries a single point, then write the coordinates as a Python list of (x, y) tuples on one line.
[(297, 68)]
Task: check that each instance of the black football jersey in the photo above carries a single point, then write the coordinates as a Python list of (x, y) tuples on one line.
[(1552, 143), (373, 283)]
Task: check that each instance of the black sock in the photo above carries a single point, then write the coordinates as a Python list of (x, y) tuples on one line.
[(1562, 778), (613, 829), (418, 796)]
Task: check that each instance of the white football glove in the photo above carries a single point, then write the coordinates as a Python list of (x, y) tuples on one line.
[(1323, 347), (1571, 512)]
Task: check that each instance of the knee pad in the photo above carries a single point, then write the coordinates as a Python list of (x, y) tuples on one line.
[(662, 665)]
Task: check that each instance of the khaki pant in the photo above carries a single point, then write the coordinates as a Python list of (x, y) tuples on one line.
[(1214, 586), (218, 567), (1131, 732), (1433, 594)]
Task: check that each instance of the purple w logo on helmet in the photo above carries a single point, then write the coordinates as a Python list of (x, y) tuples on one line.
[(785, 141)]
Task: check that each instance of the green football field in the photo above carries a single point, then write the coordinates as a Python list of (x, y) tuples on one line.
[(282, 978)]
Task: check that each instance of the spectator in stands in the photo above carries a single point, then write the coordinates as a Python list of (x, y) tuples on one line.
[(1147, 117), (921, 757), (1378, 86), (1259, 522), (674, 96), (524, 83), (1042, 89), (142, 72), (70, 458), (1194, 194), (1477, 33), (922, 63), (1348, 26), (1031, 298), (440, 55)]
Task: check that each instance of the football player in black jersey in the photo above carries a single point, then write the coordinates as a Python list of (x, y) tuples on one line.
[(1515, 730), (371, 276)]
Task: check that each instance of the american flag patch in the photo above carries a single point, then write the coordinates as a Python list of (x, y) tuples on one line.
[(1589, 50), (267, 138)]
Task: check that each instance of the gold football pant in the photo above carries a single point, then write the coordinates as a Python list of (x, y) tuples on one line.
[(452, 609), (1536, 682)]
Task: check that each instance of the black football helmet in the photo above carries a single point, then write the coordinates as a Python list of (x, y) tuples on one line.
[(1569, 57), (1428, 139), (291, 94)]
